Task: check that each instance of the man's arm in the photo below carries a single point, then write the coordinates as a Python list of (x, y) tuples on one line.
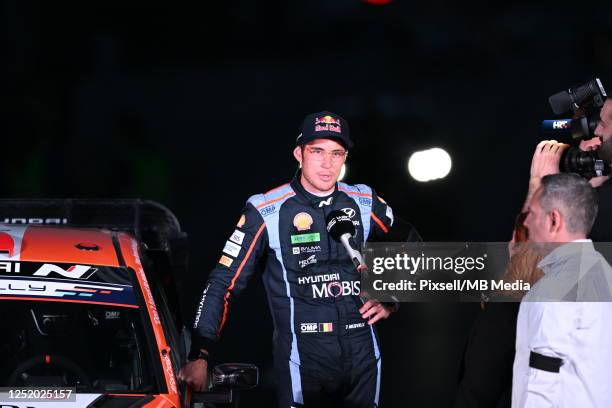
[(386, 227), (235, 266), (552, 334)]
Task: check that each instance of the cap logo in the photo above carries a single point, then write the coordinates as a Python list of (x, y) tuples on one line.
[(327, 119), (302, 221), (327, 123)]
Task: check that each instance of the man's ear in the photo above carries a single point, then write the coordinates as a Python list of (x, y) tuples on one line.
[(297, 153), (556, 221)]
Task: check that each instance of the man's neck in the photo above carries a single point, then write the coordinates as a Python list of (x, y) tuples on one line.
[(571, 238), (313, 190)]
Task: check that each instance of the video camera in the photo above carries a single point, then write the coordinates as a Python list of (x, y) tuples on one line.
[(584, 102)]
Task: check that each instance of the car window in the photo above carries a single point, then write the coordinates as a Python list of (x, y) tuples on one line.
[(89, 333)]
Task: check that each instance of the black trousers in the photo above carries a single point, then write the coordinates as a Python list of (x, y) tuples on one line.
[(328, 370)]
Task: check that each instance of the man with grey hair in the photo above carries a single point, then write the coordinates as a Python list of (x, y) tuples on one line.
[(563, 354), (563, 197)]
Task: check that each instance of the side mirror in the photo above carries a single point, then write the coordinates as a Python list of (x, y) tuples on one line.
[(235, 376), (227, 380)]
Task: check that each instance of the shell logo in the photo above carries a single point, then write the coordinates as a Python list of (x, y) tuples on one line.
[(302, 221)]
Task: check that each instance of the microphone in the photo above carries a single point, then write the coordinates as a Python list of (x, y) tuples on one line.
[(341, 229)]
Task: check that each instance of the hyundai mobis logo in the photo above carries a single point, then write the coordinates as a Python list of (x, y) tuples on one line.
[(330, 286)]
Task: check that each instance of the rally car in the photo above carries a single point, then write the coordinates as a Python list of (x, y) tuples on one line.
[(88, 306)]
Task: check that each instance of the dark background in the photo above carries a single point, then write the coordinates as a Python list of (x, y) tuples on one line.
[(199, 109)]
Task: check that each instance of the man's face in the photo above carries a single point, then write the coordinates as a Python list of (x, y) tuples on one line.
[(538, 220), (321, 160), (604, 131)]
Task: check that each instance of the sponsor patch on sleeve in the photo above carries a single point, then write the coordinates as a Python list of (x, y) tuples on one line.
[(237, 237), (389, 214), (226, 260), (231, 249)]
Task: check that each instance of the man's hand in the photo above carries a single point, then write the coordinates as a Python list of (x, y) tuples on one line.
[(195, 374), (375, 311), (545, 161), (546, 158), (593, 144)]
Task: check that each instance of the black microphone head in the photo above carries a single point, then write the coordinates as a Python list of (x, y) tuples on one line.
[(561, 102), (338, 224), (579, 98)]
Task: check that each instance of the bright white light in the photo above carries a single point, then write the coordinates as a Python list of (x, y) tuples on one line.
[(431, 164), (342, 172)]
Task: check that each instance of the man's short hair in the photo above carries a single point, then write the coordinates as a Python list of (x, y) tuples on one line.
[(573, 197)]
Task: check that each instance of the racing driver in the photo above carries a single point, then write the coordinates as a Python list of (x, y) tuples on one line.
[(326, 351)]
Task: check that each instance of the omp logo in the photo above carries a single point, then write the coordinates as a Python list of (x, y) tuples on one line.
[(56, 221), (268, 210), (365, 201), (309, 327), (75, 271), (349, 211), (335, 289), (316, 327)]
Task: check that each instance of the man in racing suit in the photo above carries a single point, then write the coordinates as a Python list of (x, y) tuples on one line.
[(326, 351)]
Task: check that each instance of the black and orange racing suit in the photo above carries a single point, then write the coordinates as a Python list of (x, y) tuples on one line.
[(323, 349)]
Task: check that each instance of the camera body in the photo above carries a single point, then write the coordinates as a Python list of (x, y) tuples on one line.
[(584, 102)]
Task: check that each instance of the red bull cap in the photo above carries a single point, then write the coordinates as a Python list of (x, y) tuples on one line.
[(324, 125)]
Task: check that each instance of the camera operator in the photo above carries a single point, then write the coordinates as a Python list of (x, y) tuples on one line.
[(485, 379), (547, 157), (602, 230)]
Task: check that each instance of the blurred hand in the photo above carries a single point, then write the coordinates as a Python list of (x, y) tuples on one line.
[(374, 311), (195, 374), (546, 158), (593, 144)]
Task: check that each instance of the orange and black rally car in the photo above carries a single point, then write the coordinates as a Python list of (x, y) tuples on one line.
[(88, 305)]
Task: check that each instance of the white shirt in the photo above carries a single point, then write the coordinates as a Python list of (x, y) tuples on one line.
[(578, 332)]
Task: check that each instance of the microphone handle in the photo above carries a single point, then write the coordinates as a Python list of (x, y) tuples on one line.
[(353, 253)]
